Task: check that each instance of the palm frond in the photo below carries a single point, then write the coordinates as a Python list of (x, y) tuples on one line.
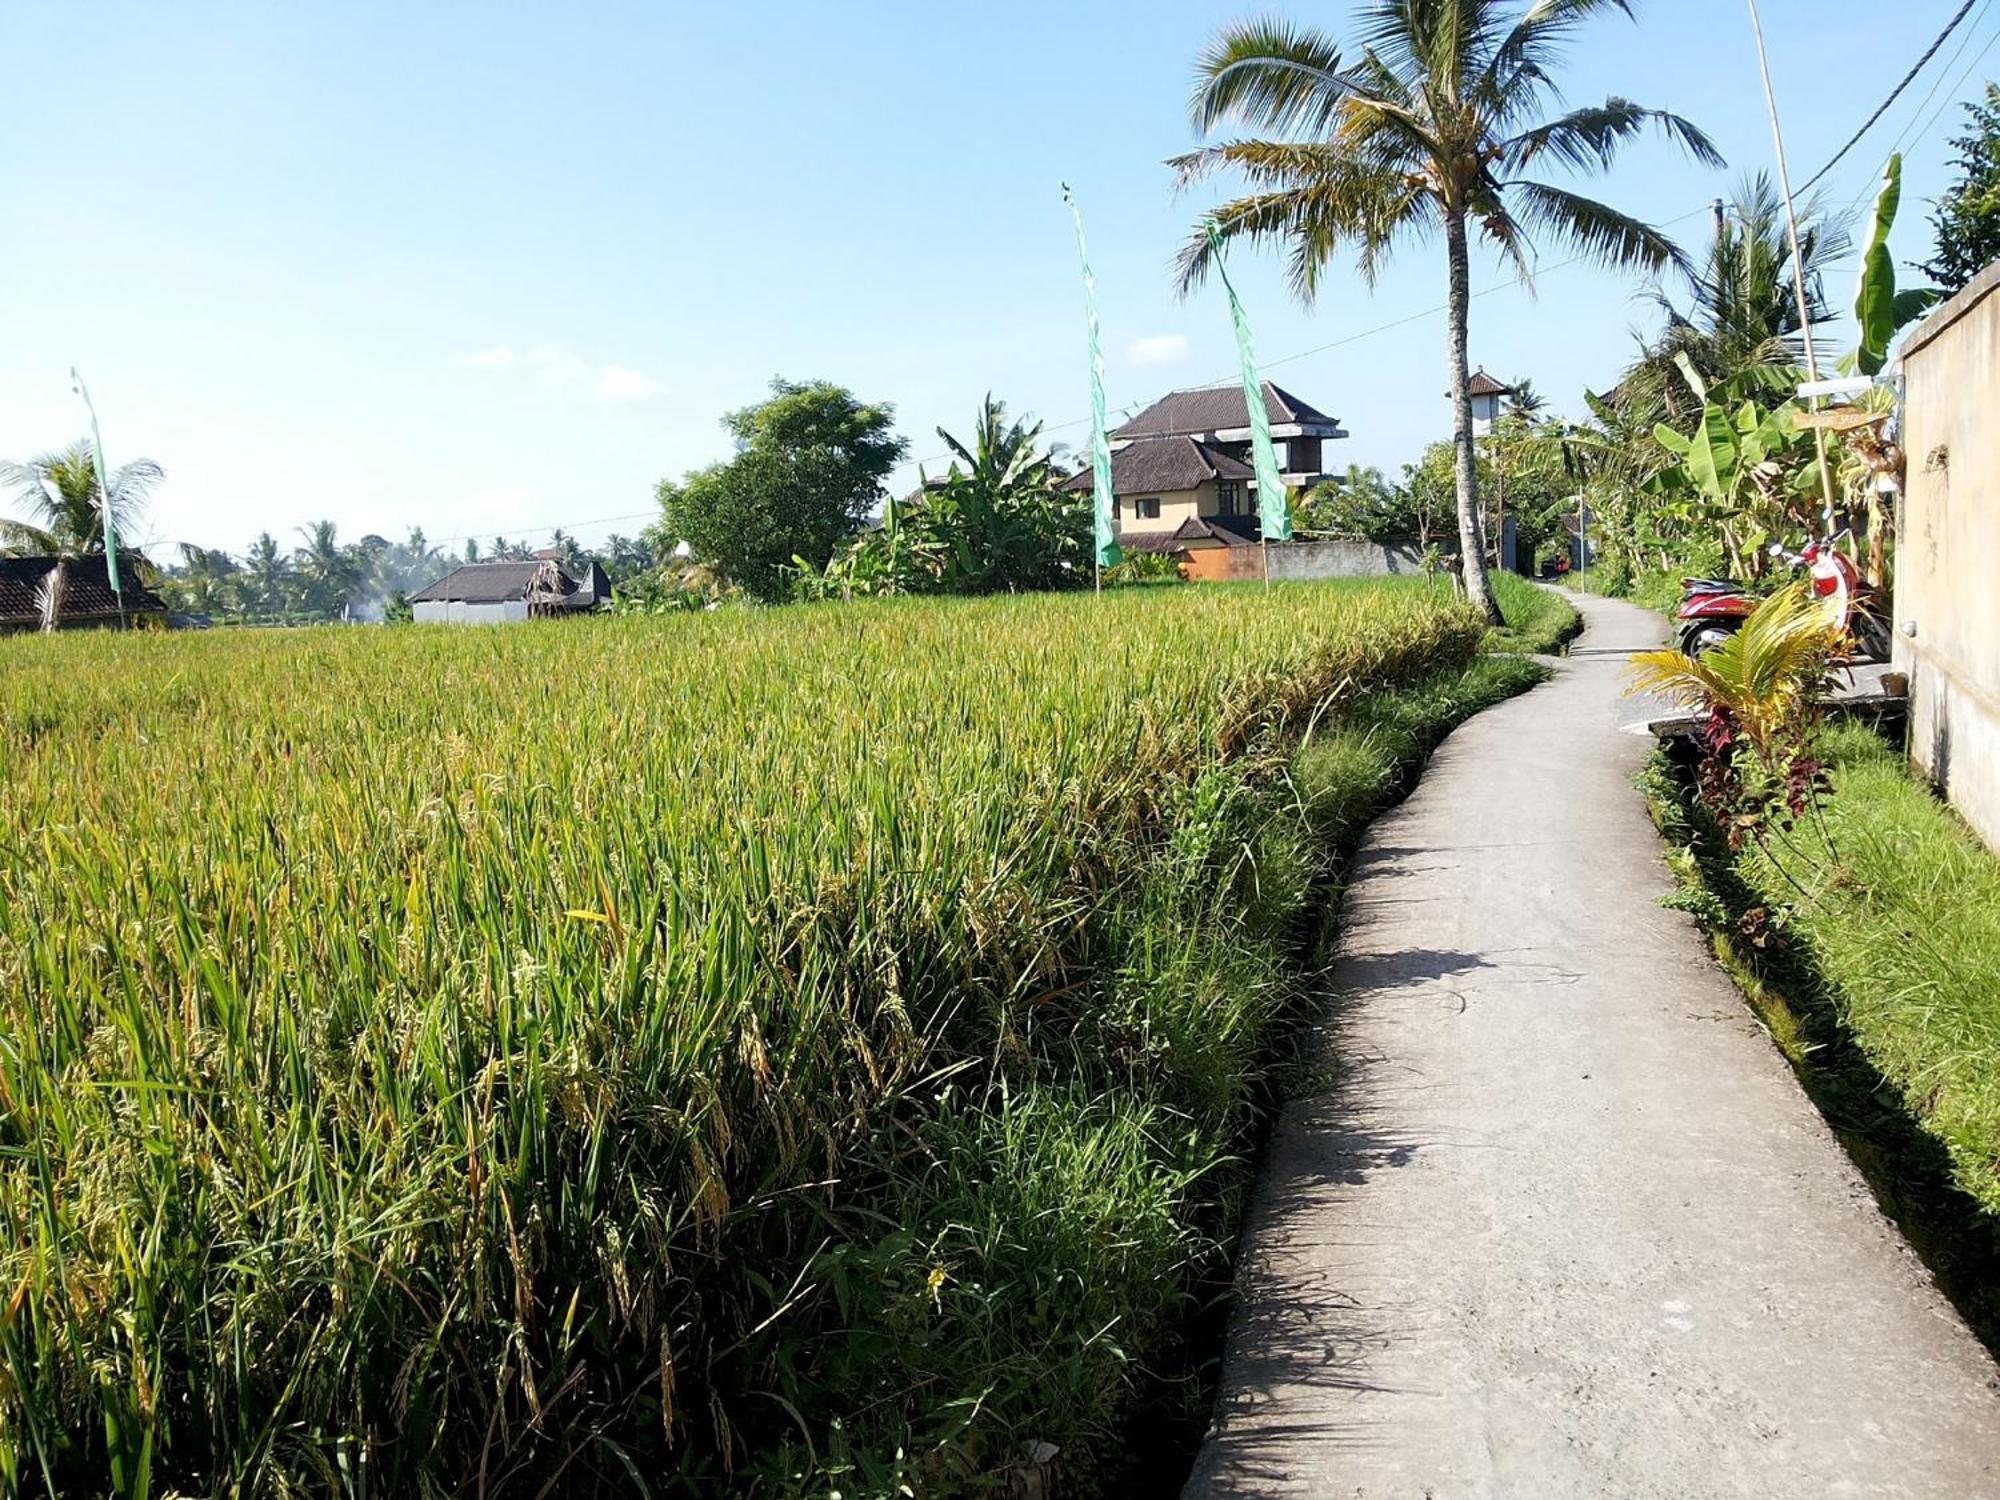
[(1285, 78), (1763, 676), (1593, 229), (1587, 140)]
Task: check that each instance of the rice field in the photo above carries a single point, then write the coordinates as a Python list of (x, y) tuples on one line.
[(781, 1051)]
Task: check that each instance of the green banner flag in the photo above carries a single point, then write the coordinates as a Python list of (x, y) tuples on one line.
[(1274, 512), (103, 484), (1104, 501)]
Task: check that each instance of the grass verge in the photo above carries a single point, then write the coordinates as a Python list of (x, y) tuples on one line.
[(1540, 621), (1868, 941)]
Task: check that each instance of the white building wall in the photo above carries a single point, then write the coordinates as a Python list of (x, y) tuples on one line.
[(457, 612)]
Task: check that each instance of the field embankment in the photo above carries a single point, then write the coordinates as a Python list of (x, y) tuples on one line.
[(1868, 938), (796, 1049)]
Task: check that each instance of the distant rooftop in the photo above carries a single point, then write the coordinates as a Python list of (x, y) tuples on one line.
[(1221, 408)]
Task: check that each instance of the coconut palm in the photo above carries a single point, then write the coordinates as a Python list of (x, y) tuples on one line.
[(1740, 326), (1427, 130), (68, 509), (65, 509)]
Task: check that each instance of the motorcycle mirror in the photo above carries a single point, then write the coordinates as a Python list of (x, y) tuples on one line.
[(1777, 549)]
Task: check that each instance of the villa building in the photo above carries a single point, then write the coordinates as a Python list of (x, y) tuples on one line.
[(1181, 469)]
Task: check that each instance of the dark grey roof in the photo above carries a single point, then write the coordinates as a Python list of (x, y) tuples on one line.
[(481, 583), (86, 590), (1229, 531), (1158, 465), (1220, 408), (1196, 531)]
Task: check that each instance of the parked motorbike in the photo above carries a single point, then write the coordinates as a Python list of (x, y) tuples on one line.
[(1713, 609)]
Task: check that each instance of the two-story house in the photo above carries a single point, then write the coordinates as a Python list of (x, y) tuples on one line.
[(1181, 470)]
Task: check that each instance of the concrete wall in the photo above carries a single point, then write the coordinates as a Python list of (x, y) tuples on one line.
[(454, 612), (1342, 560), (1301, 560), (1947, 605)]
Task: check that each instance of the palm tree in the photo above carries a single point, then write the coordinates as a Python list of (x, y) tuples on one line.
[(329, 571), (60, 494), (268, 574), (1740, 328), (60, 491), (1525, 402), (1428, 130)]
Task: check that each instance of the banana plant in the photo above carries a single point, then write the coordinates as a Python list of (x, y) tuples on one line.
[(1735, 467), (1879, 309)]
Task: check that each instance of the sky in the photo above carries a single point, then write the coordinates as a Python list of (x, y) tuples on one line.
[(499, 268)]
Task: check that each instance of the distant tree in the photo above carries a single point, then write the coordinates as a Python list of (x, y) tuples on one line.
[(623, 557), (1361, 505), (1968, 216), (1525, 401), (327, 571), (567, 552), (267, 577), (472, 549), (207, 582), (59, 494), (997, 521), (808, 469)]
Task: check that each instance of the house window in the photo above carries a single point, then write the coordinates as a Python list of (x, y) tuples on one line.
[(1225, 497), (1146, 510)]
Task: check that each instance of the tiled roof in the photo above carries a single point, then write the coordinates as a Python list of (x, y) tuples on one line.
[(1161, 465), (481, 583), (1219, 408), (86, 590), (1483, 384)]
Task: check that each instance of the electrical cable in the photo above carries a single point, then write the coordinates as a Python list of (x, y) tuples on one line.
[(1894, 94)]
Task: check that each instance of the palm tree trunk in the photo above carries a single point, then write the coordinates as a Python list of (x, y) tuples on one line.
[(1471, 544)]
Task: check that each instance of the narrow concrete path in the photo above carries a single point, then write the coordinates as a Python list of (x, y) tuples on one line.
[(1566, 1225)]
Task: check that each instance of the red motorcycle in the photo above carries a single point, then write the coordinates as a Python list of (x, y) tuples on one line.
[(1713, 609)]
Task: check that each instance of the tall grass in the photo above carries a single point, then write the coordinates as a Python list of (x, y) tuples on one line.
[(1898, 906), (781, 1051)]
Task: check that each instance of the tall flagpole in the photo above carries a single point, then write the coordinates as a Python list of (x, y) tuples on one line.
[(1105, 550), (103, 495), (1274, 515), (1798, 260)]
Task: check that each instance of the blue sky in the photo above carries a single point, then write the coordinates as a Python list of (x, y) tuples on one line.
[(500, 267)]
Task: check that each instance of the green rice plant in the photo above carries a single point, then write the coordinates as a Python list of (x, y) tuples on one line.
[(787, 1049)]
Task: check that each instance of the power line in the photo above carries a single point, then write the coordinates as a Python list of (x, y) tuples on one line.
[(1913, 135), (1894, 94)]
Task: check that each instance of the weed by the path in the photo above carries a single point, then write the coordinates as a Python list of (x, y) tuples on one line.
[(1539, 620), (1868, 940)]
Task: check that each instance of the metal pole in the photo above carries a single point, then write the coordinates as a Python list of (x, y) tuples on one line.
[(1798, 260)]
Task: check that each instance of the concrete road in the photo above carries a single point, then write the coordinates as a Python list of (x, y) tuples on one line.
[(1566, 1225)]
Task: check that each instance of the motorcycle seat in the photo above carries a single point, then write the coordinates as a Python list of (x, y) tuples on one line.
[(1708, 586)]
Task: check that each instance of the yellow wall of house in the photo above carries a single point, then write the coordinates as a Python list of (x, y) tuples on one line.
[(1176, 506)]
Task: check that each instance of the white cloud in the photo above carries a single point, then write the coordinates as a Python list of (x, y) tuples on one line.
[(617, 383), (1160, 349), (487, 359), (552, 365)]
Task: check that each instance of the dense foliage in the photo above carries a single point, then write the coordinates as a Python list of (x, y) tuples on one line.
[(1967, 217), (997, 521), (808, 470), (613, 1055)]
